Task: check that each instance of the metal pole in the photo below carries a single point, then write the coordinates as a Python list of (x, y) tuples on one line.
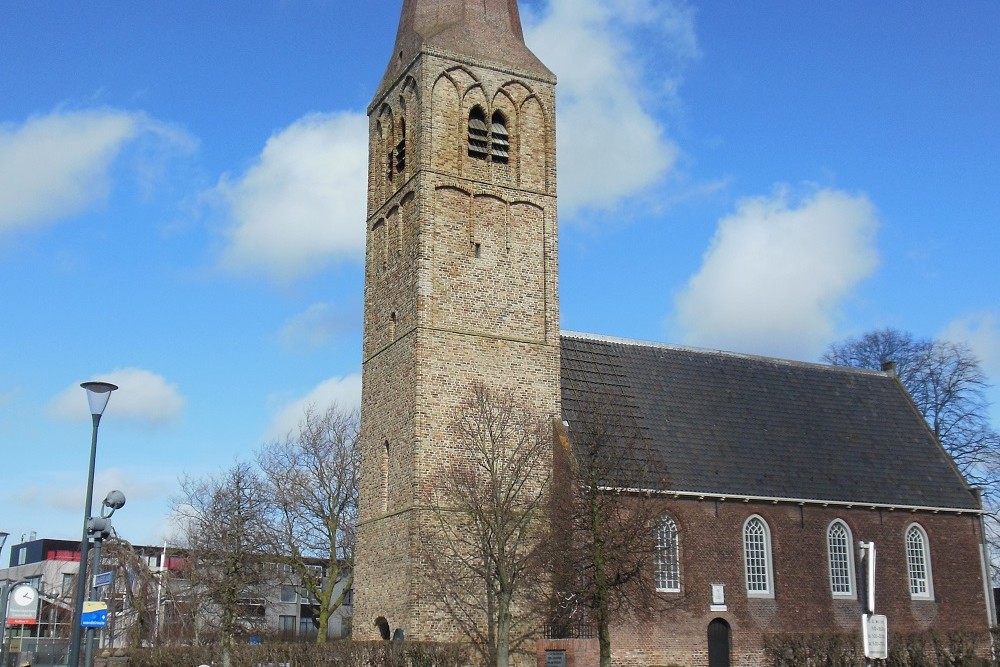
[(81, 582), (88, 655)]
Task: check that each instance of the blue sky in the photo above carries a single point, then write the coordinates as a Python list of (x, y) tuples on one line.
[(182, 206)]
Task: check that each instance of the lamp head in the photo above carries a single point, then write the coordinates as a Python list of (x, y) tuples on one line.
[(98, 394), (115, 500)]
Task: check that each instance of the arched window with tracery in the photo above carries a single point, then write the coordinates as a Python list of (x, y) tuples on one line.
[(840, 552), (918, 563), (757, 558), (667, 557)]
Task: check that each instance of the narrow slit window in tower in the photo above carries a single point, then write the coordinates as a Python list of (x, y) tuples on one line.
[(401, 148)]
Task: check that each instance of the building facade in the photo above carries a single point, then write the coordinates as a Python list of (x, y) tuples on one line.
[(160, 597), (768, 474), (771, 472), (460, 275)]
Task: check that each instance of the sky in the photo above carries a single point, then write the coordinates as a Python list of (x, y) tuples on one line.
[(182, 207)]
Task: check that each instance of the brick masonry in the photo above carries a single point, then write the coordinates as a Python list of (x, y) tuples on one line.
[(461, 285), (711, 552)]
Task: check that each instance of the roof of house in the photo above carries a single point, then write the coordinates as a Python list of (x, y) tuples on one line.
[(734, 425), (481, 30)]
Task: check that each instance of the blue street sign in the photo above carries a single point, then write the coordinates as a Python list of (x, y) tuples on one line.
[(95, 615)]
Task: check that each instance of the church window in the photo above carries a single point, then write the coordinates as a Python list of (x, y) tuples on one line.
[(840, 550), (499, 139), (918, 563), (757, 558), (478, 134), (668, 564), (401, 148)]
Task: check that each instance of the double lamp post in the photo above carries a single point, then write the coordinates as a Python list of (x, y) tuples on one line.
[(98, 394)]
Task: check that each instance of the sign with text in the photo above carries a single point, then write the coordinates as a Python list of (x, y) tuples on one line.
[(22, 608), (875, 631), (555, 659), (95, 615), (103, 579)]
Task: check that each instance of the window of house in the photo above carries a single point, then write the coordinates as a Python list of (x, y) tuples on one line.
[(289, 594), (499, 139), (757, 558), (668, 564), (840, 549), (286, 625), (479, 140), (918, 563), (68, 583)]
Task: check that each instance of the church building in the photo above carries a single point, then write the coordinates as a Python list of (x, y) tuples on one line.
[(774, 470)]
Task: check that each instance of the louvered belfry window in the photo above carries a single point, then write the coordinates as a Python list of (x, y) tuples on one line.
[(479, 139), (500, 139)]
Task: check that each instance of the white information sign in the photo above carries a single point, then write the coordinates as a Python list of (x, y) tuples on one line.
[(875, 629)]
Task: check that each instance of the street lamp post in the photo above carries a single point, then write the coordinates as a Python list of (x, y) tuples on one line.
[(98, 394), (99, 528)]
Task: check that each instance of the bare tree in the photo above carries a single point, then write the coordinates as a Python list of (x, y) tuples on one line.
[(602, 549), (312, 480), (225, 535), (948, 386), (134, 588), (490, 522)]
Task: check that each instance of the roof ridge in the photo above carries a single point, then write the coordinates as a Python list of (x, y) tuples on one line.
[(634, 342)]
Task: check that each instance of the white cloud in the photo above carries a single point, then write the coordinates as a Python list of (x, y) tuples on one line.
[(142, 396), (617, 62), (776, 272), (58, 165), (60, 495), (344, 391), (981, 332), (316, 326), (302, 203)]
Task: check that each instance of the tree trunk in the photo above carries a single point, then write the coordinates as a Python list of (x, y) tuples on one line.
[(324, 624), (504, 622)]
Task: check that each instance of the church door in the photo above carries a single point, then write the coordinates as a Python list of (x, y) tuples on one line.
[(718, 643)]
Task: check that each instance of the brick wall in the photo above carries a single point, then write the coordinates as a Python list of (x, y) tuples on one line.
[(461, 286), (712, 553)]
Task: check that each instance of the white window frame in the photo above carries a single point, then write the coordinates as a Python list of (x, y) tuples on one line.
[(914, 582), (665, 525), (768, 592), (851, 580)]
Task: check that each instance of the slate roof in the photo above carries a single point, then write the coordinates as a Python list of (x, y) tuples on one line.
[(481, 30), (742, 426)]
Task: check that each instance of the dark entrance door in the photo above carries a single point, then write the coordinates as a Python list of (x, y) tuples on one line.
[(718, 643)]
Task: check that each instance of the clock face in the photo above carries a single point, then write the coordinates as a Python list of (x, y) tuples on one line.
[(24, 595)]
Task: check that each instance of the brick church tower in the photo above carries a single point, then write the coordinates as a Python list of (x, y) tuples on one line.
[(461, 276)]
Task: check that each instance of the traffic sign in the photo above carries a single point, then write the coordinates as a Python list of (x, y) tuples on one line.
[(875, 632), (95, 615)]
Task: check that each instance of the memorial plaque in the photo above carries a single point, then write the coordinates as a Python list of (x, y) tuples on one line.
[(555, 659)]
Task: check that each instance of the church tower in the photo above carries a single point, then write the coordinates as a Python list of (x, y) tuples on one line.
[(461, 276)]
